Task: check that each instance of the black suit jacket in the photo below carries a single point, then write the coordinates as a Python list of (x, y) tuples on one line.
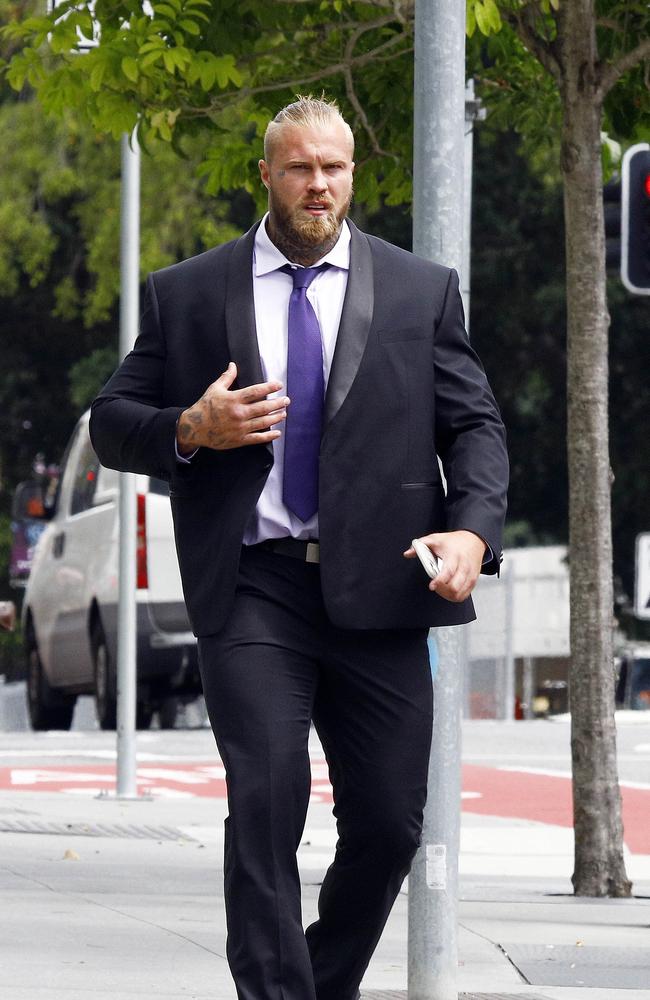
[(405, 386)]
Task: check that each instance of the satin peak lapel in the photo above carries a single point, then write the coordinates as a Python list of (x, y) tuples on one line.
[(355, 324), (240, 312)]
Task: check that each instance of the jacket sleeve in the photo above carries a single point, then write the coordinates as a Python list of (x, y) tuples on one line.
[(470, 436), (130, 427)]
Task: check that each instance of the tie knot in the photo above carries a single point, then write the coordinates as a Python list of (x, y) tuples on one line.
[(303, 276)]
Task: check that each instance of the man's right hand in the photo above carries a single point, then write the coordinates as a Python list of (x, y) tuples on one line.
[(230, 418)]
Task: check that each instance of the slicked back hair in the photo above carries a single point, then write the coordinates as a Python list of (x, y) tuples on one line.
[(305, 112)]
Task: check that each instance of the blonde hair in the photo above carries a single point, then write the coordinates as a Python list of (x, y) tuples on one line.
[(305, 112)]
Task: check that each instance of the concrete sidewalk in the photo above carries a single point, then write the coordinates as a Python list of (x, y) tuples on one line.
[(105, 898)]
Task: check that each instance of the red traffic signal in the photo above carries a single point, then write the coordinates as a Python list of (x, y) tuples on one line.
[(635, 219)]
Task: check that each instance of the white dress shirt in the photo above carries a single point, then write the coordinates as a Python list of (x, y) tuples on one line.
[(271, 291)]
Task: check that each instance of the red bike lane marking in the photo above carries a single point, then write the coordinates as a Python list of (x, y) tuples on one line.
[(180, 779), (488, 791), (547, 798)]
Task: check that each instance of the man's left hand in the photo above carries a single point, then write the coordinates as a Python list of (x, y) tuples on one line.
[(461, 554)]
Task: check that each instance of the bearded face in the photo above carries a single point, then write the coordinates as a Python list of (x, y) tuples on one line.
[(312, 224), (309, 180)]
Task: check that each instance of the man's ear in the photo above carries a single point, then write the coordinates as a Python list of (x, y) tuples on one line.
[(264, 172)]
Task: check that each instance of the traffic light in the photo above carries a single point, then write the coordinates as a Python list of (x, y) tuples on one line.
[(635, 219)]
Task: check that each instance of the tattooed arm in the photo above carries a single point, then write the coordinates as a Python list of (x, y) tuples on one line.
[(230, 418)]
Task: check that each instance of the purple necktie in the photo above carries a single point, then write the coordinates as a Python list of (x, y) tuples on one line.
[(306, 390)]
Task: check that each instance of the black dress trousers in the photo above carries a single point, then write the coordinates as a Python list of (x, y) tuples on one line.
[(277, 664)]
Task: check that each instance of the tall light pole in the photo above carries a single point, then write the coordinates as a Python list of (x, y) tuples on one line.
[(126, 781), (126, 785), (438, 223)]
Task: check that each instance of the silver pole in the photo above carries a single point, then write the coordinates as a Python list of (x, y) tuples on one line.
[(126, 786), (528, 687), (467, 197), (438, 222), (508, 688)]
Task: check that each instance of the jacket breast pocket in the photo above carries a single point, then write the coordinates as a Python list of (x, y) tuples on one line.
[(401, 334)]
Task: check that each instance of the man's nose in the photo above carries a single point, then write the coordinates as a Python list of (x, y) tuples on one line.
[(318, 181)]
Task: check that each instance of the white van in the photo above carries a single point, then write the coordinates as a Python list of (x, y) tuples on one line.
[(70, 608)]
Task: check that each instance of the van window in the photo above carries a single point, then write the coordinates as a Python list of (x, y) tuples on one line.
[(85, 479)]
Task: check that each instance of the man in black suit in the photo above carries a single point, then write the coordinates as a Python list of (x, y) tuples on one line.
[(294, 515)]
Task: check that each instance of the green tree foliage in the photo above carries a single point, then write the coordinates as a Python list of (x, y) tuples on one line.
[(514, 54), (59, 264), (192, 65), (177, 67), (60, 209)]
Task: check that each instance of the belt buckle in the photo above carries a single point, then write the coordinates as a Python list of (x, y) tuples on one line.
[(312, 554)]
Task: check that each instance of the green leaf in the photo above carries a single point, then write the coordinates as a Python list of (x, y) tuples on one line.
[(85, 24), (17, 72), (493, 15), (181, 57), (168, 59), (226, 71), (208, 76), (154, 43), (482, 22), (166, 10), (97, 74), (191, 27), (130, 68), (151, 58)]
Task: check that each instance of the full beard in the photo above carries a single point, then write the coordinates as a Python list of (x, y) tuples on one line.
[(303, 239)]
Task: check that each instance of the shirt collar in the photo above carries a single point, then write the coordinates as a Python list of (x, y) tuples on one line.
[(267, 257)]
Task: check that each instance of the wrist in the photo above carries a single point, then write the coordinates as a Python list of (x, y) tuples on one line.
[(185, 442)]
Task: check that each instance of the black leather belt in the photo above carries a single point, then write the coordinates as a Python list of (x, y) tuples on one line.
[(294, 547)]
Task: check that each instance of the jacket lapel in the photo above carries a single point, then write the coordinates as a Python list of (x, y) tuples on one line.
[(240, 312), (355, 324)]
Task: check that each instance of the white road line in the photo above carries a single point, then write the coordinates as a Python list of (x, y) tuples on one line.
[(110, 755), (643, 785)]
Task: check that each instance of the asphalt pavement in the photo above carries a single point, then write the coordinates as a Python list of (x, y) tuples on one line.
[(123, 898)]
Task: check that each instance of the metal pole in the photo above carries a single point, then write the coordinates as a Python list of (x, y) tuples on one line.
[(438, 179), (508, 688), (126, 786), (467, 198), (528, 687)]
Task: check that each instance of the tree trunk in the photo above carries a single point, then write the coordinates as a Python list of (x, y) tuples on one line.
[(599, 865)]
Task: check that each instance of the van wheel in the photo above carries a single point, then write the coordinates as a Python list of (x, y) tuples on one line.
[(105, 688), (167, 712), (48, 707), (143, 715)]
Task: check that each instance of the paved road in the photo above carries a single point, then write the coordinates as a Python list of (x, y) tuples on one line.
[(515, 772), (123, 897)]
